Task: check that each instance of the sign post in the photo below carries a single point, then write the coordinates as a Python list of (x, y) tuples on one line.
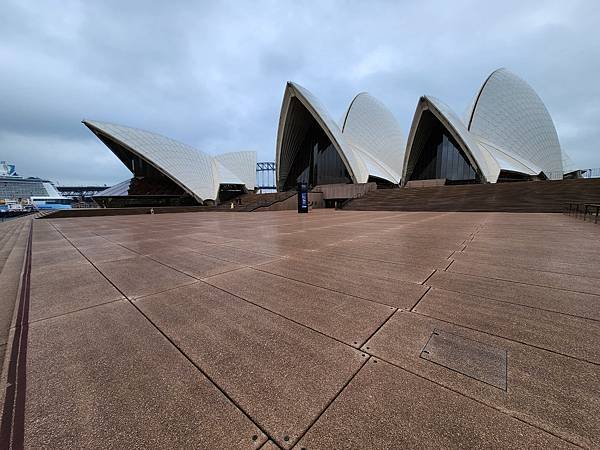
[(302, 197)]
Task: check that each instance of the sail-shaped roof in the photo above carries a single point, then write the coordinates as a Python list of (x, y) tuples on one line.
[(196, 172), (507, 112), (505, 128), (369, 140)]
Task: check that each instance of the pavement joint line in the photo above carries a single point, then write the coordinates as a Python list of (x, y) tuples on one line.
[(155, 260), (322, 287), (229, 244), (530, 284), (326, 407), (244, 266), (519, 304), (264, 446), (372, 259), (508, 339), (269, 262), (140, 297), (12, 423), (301, 259), (448, 266), (420, 298), (545, 271), (75, 311), (197, 366), (177, 348), (190, 250), (280, 315), (186, 273), (379, 327), (275, 258), (398, 251), (430, 275)]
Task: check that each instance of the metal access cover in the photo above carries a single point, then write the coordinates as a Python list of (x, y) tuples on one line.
[(471, 358)]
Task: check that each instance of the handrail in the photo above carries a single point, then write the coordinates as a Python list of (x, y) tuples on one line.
[(584, 209)]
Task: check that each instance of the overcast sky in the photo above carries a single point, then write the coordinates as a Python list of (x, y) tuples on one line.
[(212, 74)]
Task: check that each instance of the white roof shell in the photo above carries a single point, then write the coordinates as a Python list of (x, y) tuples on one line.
[(375, 135), (506, 127), (196, 172), (369, 142), (507, 112)]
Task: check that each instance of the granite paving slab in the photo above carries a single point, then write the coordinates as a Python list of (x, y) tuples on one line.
[(194, 264), (92, 383), (344, 278), (140, 276), (62, 288), (551, 299), (548, 330), (387, 407), (281, 373), (351, 320), (551, 391), (537, 277)]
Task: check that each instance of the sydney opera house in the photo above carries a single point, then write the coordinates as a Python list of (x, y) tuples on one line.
[(506, 134)]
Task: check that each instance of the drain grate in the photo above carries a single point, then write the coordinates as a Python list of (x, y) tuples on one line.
[(471, 358)]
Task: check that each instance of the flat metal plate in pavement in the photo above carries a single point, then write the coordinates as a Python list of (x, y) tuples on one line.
[(471, 358)]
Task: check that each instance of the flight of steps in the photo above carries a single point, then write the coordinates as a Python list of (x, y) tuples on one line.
[(251, 201), (13, 243), (533, 196)]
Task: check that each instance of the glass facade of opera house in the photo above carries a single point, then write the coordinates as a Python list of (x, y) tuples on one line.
[(441, 156), (317, 161)]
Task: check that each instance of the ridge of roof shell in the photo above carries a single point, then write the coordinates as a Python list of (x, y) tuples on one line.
[(196, 172), (468, 115)]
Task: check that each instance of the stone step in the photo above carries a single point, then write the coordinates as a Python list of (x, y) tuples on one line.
[(539, 196), (10, 278), (8, 241)]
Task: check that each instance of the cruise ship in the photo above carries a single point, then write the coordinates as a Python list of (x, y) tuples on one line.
[(22, 193)]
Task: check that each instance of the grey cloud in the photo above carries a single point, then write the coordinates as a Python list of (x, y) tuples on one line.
[(212, 74)]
